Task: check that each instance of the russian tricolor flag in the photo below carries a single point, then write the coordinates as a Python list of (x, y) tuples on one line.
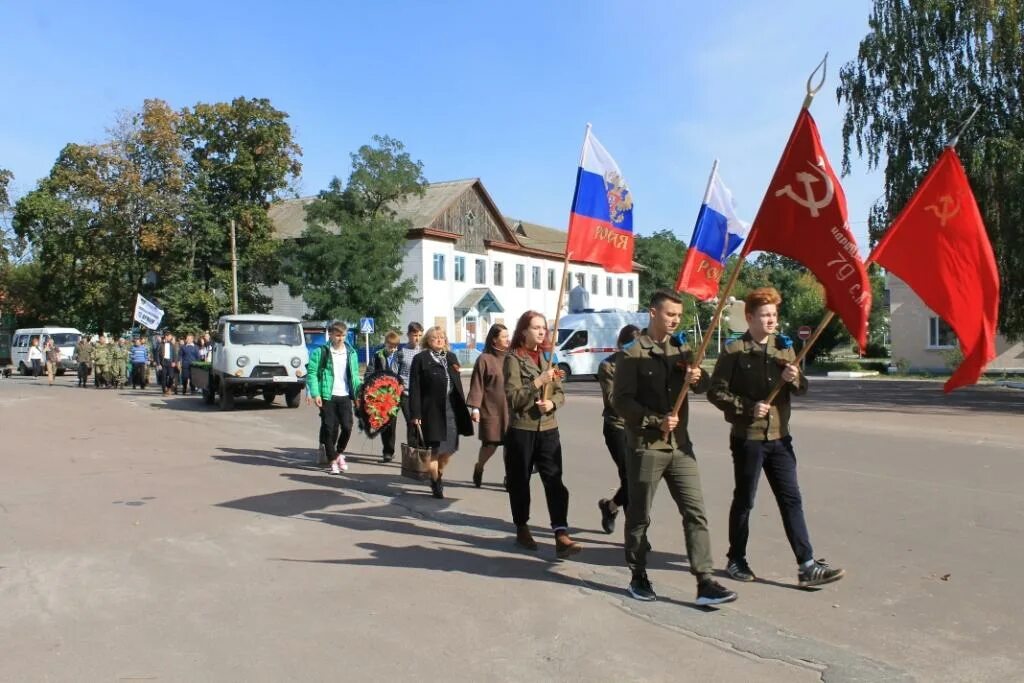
[(718, 234), (601, 220)]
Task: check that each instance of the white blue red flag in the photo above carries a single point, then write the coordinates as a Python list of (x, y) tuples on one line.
[(601, 220), (716, 236)]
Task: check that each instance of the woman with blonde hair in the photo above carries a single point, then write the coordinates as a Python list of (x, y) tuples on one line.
[(487, 397), (437, 404)]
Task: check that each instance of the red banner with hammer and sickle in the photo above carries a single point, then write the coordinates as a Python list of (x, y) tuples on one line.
[(803, 216), (938, 245)]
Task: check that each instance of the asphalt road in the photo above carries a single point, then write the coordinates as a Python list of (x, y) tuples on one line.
[(152, 538)]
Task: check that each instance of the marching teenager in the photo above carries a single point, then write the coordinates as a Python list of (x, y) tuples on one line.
[(744, 375), (532, 439), (388, 359), (487, 397), (437, 403), (614, 429), (648, 379), (333, 381)]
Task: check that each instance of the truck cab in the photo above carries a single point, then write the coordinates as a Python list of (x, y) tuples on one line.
[(255, 354)]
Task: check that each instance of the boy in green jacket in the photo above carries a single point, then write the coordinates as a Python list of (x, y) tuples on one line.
[(333, 382)]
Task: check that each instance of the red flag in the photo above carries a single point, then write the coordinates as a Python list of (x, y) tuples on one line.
[(938, 246), (803, 216)]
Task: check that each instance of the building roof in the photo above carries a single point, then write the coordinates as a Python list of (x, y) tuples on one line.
[(289, 216)]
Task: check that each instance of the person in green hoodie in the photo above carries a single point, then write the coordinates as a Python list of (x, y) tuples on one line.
[(333, 383)]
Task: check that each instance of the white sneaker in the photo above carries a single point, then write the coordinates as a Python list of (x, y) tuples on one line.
[(334, 468), (342, 464)]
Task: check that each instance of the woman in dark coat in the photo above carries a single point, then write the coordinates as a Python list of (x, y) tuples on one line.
[(486, 398), (437, 404)]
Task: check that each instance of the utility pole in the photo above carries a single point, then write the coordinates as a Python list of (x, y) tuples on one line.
[(234, 271)]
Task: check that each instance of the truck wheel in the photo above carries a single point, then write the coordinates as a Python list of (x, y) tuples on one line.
[(60, 372), (293, 399), (24, 370), (564, 367), (269, 396), (208, 396), (227, 399)]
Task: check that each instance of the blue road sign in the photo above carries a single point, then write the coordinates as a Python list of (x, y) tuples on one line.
[(366, 326)]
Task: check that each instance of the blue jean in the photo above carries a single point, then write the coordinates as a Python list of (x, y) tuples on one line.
[(778, 461)]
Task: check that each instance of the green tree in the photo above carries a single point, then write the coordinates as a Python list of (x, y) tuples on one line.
[(348, 262), (6, 239), (920, 70), (240, 157), (661, 256)]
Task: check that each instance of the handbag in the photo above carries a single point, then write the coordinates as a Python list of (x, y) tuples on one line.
[(416, 459)]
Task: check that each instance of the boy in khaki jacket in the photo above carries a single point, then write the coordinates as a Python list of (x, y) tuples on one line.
[(746, 372)]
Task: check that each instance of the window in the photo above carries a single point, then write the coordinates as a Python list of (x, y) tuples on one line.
[(940, 335), (520, 275), (551, 279), (481, 271), (460, 268), (580, 280), (438, 266), (608, 286), (618, 287), (269, 333), (574, 341), (535, 272), (629, 287), (499, 274), (593, 284)]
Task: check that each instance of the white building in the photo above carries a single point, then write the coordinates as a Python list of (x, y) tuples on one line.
[(473, 266)]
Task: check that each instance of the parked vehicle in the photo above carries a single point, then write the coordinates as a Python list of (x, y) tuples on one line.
[(64, 338), (586, 339), (254, 355)]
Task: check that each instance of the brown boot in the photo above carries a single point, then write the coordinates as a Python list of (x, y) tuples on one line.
[(524, 539), (565, 546)]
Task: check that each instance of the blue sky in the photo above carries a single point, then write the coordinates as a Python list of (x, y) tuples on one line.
[(500, 91)]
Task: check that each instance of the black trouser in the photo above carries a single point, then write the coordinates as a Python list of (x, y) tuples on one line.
[(140, 375), (336, 417), (387, 435), (186, 378), (83, 373), (37, 367), (778, 461), (524, 450), (615, 439), (169, 379)]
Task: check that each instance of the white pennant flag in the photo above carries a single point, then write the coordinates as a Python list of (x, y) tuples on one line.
[(147, 313)]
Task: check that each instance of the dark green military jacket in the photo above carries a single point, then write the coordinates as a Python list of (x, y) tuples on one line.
[(83, 352), (648, 379), (746, 374), (606, 378), (520, 372)]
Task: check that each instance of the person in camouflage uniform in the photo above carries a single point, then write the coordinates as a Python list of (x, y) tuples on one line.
[(101, 363), (118, 363), (83, 356)]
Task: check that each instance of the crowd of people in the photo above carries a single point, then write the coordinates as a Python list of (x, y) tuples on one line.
[(118, 362), (515, 394)]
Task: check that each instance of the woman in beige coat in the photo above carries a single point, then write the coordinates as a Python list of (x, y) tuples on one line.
[(486, 399)]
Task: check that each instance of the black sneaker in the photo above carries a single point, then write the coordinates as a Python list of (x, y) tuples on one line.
[(818, 573), (387, 457), (710, 592), (740, 570), (640, 587), (607, 515)]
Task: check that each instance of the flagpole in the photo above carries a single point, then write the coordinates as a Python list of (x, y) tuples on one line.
[(811, 91), (565, 278)]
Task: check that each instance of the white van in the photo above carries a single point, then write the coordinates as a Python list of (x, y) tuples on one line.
[(586, 339), (64, 338)]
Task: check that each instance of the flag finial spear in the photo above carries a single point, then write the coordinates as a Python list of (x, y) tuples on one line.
[(812, 91), (956, 138)]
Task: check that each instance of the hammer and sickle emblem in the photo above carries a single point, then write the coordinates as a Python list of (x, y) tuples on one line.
[(809, 201), (947, 208)]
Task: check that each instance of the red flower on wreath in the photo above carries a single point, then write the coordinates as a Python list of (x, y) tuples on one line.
[(382, 400)]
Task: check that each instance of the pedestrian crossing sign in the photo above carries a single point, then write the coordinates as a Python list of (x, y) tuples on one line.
[(366, 325)]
